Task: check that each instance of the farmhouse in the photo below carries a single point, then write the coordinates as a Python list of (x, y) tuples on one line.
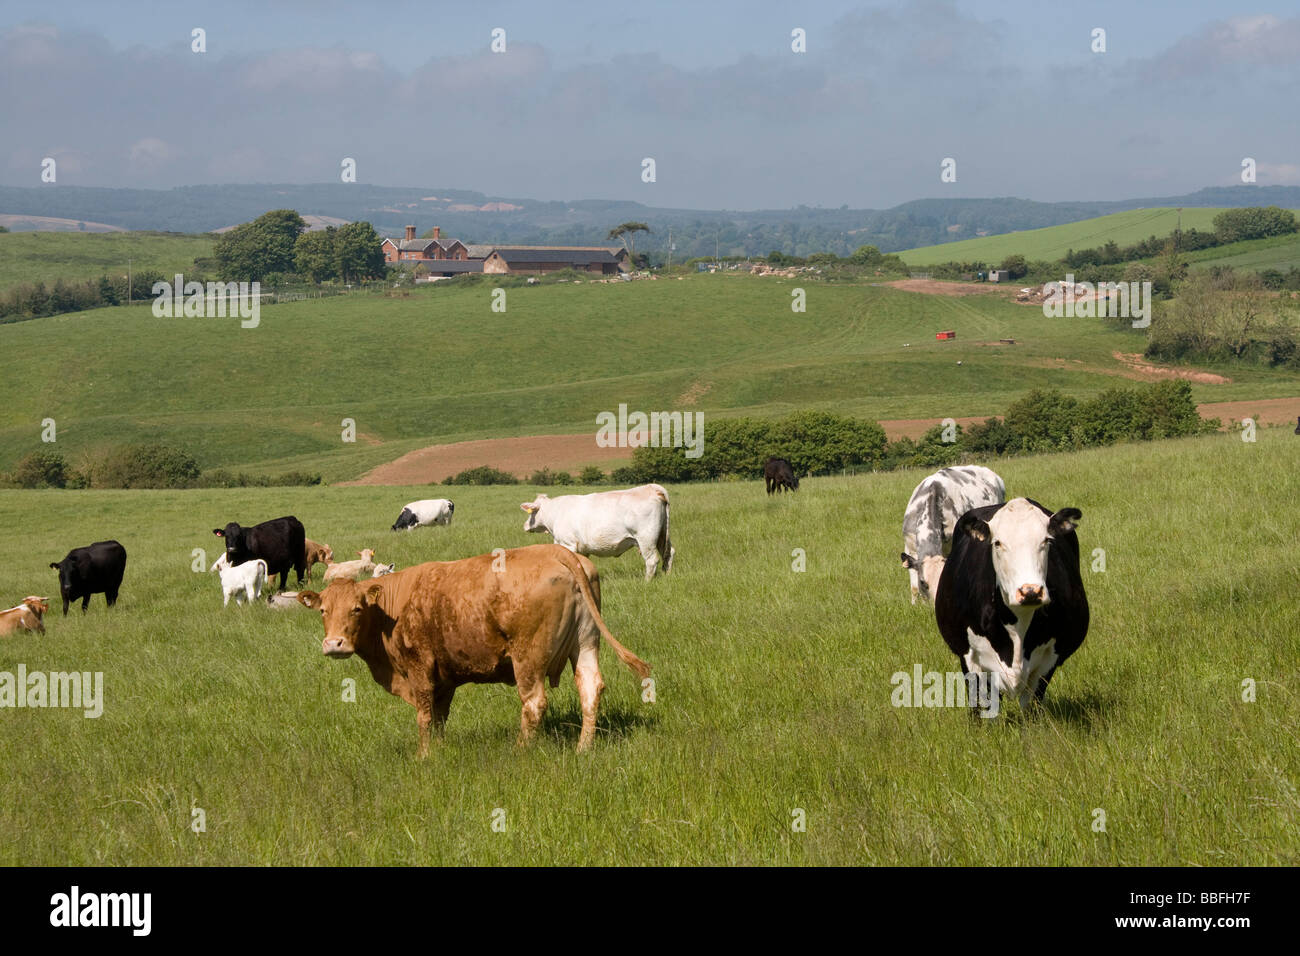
[(441, 257)]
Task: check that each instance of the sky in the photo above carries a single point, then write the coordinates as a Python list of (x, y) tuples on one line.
[(731, 114)]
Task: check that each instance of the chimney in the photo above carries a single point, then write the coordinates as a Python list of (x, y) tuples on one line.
[(410, 232), (437, 232)]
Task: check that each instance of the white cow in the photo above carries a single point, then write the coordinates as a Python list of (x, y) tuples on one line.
[(352, 569), (382, 569), (245, 579), (427, 511), (607, 523), (932, 513)]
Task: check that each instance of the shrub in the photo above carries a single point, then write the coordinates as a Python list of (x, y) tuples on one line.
[(1043, 420), (145, 466), (482, 475), (545, 477), (591, 475), (41, 469)]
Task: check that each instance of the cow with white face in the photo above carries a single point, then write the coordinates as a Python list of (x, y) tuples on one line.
[(1011, 602), (931, 515), (608, 523)]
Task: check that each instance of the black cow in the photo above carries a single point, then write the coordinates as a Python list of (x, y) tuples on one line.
[(94, 569), (1013, 579), (779, 475), (279, 542)]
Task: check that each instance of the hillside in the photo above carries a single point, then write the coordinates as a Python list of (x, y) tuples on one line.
[(47, 256), (1053, 242), (438, 365), (479, 217)]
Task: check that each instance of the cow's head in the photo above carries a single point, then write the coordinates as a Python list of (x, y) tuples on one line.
[(1021, 536), (346, 609), (927, 571), (368, 555), (532, 508), (233, 535), (328, 553), (65, 569), (39, 605)]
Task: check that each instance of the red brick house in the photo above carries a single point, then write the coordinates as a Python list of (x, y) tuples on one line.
[(411, 249)]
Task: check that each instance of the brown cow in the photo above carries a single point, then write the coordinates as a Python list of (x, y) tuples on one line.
[(315, 553), (24, 617), (507, 618)]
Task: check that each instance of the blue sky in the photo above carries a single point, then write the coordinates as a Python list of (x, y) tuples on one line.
[(733, 118)]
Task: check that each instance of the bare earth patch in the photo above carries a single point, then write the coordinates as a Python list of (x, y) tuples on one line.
[(1134, 362), (946, 287)]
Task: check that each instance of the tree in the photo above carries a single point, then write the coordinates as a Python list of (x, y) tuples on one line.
[(358, 252), (1016, 266), (250, 251), (314, 256), (41, 469), (627, 233)]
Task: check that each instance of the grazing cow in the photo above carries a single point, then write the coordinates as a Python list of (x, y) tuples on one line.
[(1011, 602), (25, 616), (779, 475), (314, 553), (94, 569), (514, 617), (351, 569), (427, 511), (244, 580), (932, 513), (607, 523), (280, 542)]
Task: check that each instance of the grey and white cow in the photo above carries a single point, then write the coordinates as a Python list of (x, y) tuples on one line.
[(932, 513)]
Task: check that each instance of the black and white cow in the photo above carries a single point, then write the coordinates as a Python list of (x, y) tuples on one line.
[(932, 513), (423, 512), (279, 542), (1011, 602), (95, 569)]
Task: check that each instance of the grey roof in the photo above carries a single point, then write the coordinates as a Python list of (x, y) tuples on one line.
[(408, 245), (479, 250), (585, 256)]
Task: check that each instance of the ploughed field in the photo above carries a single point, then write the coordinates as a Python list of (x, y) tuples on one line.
[(772, 695)]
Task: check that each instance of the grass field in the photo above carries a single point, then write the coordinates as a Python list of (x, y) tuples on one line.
[(773, 690), (1053, 242), (47, 256), (441, 366)]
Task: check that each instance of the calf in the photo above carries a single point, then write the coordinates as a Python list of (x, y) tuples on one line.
[(425, 631), (382, 569), (280, 542), (244, 580), (314, 553), (351, 569), (607, 523), (932, 513), (779, 475), (25, 616), (1011, 602), (424, 512), (95, 569)]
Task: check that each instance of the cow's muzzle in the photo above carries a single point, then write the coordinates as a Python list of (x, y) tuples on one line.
[(336, 647), (1031, 595)]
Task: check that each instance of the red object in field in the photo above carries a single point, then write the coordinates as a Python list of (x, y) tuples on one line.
[(950, 334)]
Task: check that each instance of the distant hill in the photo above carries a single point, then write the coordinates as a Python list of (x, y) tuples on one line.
[(476, 217), (53, 224), (47, 257)]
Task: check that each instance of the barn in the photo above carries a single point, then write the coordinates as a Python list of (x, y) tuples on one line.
[(598, 260)]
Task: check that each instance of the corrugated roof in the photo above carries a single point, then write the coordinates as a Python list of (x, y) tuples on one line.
[(554, 254), (444, 265)]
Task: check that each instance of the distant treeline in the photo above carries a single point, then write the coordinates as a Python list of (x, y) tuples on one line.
[(137, 466)]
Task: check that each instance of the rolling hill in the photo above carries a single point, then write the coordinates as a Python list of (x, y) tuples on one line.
[(439, 365), (47, 256)]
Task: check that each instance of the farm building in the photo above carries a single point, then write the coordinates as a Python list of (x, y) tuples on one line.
[(600, 260), (445, 257)]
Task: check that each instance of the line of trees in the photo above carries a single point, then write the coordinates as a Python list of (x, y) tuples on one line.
[(278, 243), (137, 466)]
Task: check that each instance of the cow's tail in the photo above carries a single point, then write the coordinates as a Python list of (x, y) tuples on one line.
[(664, 544), (568, 559)]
